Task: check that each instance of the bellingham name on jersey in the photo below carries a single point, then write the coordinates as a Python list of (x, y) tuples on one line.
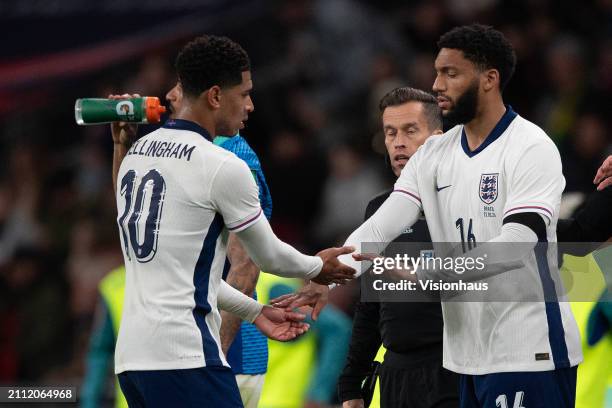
[(159, 148)]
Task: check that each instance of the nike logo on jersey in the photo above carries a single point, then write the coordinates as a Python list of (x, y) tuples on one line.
[(442, 188)]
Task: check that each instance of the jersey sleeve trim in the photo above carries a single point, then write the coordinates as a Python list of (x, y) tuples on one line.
[(408, 194), (241, 225), (530, 208)]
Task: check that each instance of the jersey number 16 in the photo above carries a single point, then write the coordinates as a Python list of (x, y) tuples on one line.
[(471, 238)]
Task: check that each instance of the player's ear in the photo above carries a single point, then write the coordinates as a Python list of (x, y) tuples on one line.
[(213, 96), (491, 79), (437, 132)]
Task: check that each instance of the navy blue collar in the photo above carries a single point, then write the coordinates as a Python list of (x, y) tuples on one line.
[(182, 124), (497, 131)]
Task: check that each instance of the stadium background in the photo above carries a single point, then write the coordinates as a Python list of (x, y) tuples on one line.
[(319, 69)]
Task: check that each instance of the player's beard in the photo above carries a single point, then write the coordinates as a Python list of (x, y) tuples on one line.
[(464, 110)]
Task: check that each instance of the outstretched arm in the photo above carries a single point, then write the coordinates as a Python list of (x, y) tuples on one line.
[(277, 324), (235, 197), (275, 256), (392, 218), (234, 301)]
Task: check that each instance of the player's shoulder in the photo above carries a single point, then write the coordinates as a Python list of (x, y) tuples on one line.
[(241, 148), (216, 160), (231, 165), (527, 135)]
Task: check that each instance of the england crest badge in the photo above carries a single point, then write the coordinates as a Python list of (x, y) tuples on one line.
[(488, 187)]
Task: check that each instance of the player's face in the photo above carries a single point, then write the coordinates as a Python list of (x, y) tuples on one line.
[(457, 86), (405, 127), (235, 107), (174, 98)]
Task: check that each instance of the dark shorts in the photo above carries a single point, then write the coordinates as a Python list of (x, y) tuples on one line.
[(196, 387), (426, 385), (539, 389)]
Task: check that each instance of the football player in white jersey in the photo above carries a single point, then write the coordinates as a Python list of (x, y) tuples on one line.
[(178, 195), (494, 177)]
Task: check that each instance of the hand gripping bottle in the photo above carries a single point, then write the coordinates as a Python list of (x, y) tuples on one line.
[(92, 111)]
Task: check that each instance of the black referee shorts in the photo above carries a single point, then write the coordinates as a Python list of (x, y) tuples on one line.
[(423, 385)]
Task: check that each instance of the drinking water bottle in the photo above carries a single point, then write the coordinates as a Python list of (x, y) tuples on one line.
[(93, 111)]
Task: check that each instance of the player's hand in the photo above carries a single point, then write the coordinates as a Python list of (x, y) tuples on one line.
[(333, 270), (124, 133), (312, 294), (604, 174), (361, 257), (280, 324), (365, 257), (356, 403)]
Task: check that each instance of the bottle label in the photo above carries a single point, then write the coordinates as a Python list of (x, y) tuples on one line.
[(125, 108), (108, 110)]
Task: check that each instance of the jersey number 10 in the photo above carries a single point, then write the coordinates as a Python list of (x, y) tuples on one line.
[(502, 400), (138, 232)]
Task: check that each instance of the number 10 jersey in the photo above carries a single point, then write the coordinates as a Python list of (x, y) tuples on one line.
[(177, 196)]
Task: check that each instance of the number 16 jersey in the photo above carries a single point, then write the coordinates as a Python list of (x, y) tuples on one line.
[(465, 196)]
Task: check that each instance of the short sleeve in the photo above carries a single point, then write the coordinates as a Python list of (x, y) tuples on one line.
[(406, 184), (536, 182), (235, 195)]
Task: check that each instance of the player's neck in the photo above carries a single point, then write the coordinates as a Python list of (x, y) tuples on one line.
[(187, 112), (481, 126)]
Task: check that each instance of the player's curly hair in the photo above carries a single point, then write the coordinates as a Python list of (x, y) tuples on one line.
[(210, 60), (485, 47)]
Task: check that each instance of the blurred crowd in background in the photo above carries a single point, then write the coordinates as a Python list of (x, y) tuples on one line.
[(319, 69)]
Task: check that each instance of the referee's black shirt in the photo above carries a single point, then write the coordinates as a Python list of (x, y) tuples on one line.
[(411, 331), (593, 223)]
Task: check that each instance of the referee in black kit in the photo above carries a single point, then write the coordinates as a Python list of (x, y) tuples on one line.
[(411, 374)]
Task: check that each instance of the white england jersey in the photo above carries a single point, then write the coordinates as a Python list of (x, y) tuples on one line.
[(465, 196), (177, 196)]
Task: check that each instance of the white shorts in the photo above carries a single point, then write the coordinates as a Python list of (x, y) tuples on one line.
[(250, 388)]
